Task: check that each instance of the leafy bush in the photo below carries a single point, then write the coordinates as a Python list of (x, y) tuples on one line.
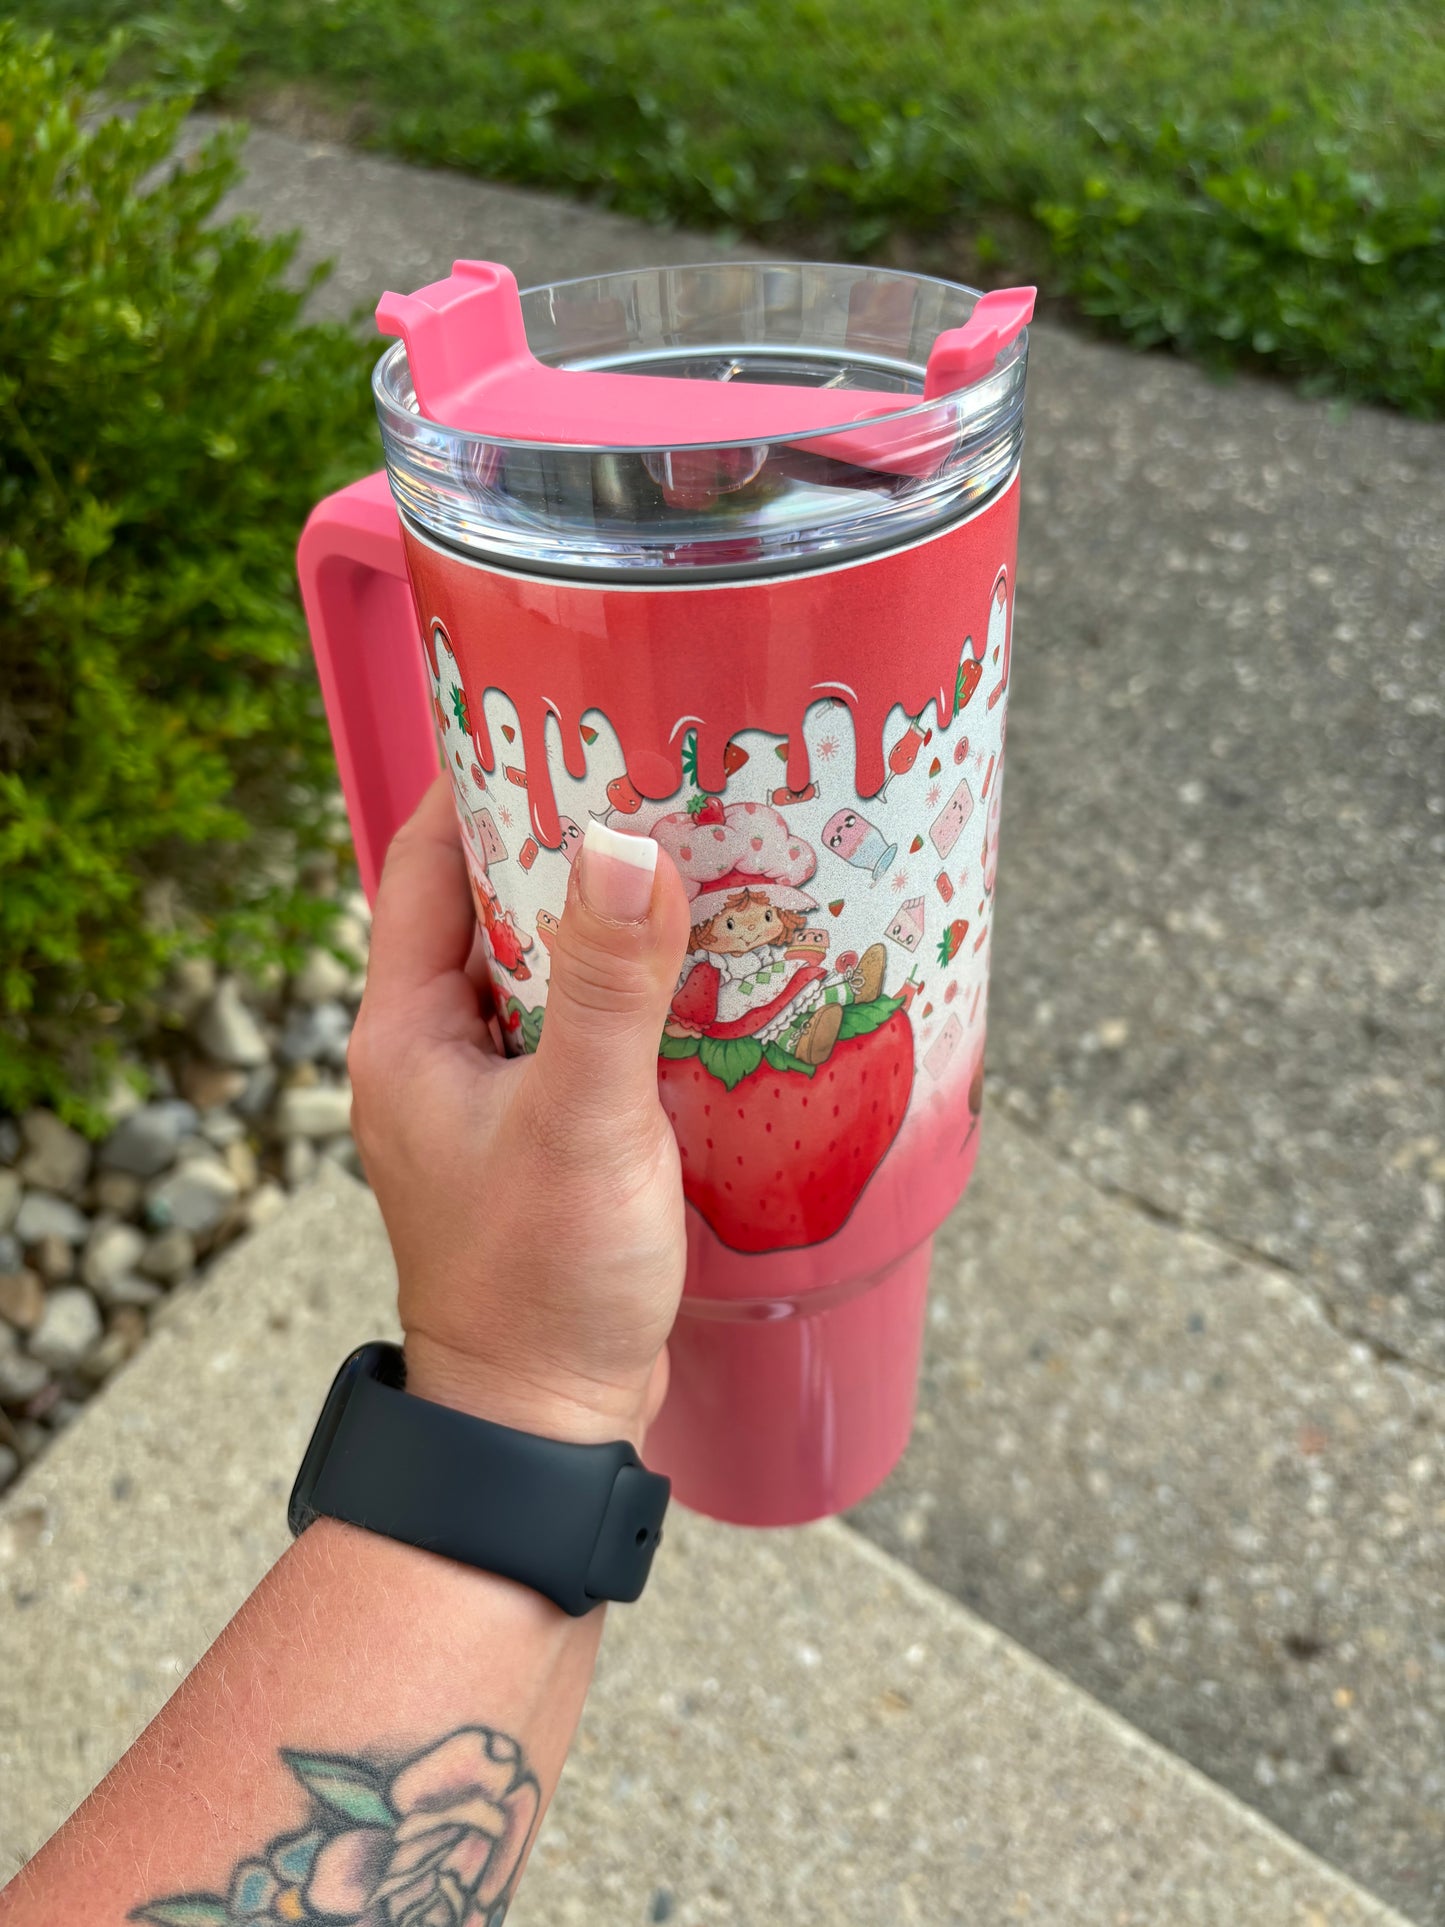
[(1187, 234), (1259, 180), (166, 419)]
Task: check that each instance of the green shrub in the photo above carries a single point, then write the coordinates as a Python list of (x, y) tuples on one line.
[(1258, 181), (166, 419)]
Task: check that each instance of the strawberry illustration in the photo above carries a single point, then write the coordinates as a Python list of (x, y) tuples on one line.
[(915, 846), (835, 908), (707, 809), (733, 759), (623, 797), (696, 1002), (934, 767), (970, 675), (781, 1158), (589, 734), (951, 942)]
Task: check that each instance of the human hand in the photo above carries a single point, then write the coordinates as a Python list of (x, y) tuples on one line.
[(534, 1204)]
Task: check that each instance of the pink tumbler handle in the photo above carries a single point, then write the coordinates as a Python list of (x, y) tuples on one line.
[(369, 660)]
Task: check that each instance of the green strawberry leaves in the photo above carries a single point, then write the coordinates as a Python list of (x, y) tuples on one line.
[(960, 686), (860, 1019), (346, 1786), (784, 1060), (730, 1059)]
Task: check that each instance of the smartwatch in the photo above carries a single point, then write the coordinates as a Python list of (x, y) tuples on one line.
[(577, 1523)]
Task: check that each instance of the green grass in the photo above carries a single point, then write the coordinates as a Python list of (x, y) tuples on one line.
[(1261, 181)]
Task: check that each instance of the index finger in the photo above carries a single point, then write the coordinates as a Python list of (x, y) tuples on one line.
[(424, 924)]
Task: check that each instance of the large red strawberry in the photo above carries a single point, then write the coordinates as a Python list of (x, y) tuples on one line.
[(970, 674), (781, 1159)]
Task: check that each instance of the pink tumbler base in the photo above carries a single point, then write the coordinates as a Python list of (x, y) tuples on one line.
[(776, 1420)]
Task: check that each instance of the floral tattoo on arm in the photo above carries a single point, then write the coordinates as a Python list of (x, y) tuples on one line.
[(435, 1842)]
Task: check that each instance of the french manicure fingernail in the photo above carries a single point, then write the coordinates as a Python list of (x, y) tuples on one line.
[(616, 873)]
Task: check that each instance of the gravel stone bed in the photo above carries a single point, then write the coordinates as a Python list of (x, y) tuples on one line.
[(248, 1095)]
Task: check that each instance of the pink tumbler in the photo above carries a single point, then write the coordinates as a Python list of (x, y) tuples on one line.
[(724, 556)]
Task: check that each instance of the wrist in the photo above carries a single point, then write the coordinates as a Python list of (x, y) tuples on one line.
[(575, 1410)]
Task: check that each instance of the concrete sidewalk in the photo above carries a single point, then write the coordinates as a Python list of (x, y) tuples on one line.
[(1201, 1474), (788, 1727)]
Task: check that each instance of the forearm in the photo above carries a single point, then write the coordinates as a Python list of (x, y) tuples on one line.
[(353, 1649)]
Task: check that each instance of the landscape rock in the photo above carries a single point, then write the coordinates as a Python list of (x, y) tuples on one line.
[(192, 981), (195, 1197), (298, 1163), (130, 1289), (342, 1150), (207, 1085), (112, 1250), (53, 1258), (268, 1201), (170, 1256), (70, 1325), (221, 1128), (321, 979), (11, 1256), (56, 1158), (22, 1378), (43, 1216), (321, 1111), (318, 1034), (9, 1465), (145, 1143), (227, 1030), (9, 1140), (22, 1299), (124, 1336), (10, 1195), (255, 1100), (241, 1163), (117, 1192), (122, 1097)]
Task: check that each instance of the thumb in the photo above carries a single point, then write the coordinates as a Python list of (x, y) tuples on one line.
[(615, 962)]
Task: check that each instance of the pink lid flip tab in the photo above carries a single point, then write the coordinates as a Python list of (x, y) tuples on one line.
[(472, 370)]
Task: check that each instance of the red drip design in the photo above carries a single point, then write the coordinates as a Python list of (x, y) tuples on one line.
[(716, 660)]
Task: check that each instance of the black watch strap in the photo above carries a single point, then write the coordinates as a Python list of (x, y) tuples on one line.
[(577, 1523)]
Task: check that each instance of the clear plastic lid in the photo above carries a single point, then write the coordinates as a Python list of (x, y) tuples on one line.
[(818, 488)]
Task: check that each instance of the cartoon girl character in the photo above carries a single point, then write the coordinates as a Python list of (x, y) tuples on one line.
[(755, 969)]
